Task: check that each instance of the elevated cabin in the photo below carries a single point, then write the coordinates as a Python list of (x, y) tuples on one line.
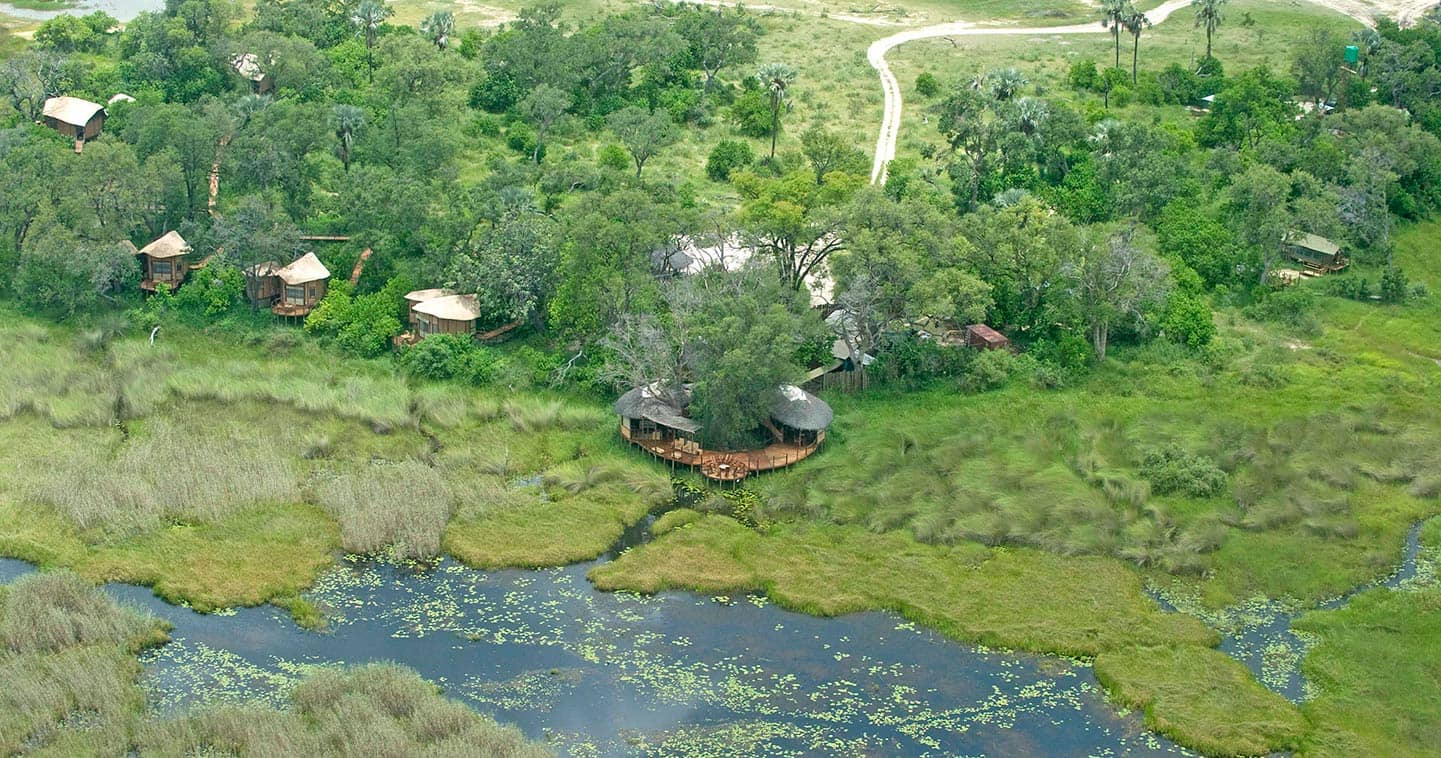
[(656, 419), (302, 285), (164, 261), (982, 337), (417, 297), (262, 286), (80, 120), (248, 66), (1314, 252), (448, 314)]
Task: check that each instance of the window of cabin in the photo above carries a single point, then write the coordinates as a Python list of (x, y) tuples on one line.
[(312, 288), (294, 295), (425, 325), (159, 269)]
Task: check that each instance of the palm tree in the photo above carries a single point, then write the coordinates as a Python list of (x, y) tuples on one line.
[(1135, 22), (1112, 12), (1208, 14), (348, 120), (776, 78), (439, 27), (1005, 83), (368, 17)]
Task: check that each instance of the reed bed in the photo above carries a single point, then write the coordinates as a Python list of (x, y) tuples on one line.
[(401, 506)]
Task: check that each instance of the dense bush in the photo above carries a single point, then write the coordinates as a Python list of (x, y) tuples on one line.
[(1187, 319), (450, 356), (728, 156), (927, 85), (359, 324), (1293, 307), (1172, 470)]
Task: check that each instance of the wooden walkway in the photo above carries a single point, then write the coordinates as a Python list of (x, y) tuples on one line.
[(731, 466)]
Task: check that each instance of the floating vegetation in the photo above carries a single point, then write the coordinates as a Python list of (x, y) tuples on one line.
[(672, 675)]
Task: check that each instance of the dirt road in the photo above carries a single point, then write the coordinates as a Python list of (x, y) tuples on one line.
[(1403, 10)]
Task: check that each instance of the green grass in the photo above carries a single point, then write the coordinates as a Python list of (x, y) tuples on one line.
[(999, 597), (1376, 669), (1202, 698)]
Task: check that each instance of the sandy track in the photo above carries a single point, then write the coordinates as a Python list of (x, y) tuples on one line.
[(1403, 10)]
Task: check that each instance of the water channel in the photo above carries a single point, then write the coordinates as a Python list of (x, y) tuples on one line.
[(596, 673), (122, 10)]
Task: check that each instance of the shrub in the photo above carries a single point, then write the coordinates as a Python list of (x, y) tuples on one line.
[(614, 157), (751, 114), (362, 325), (1084, 75), (1187, 320), (1172, 470), (450, 356), (728, 156), (927, 85), (990, 370), (1294, 307), (1394, 287)]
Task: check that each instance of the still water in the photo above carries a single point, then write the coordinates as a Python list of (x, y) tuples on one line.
[(123, 10), (677, 674)]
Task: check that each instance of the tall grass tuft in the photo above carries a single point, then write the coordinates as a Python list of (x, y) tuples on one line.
[(375, 710), (404, 506), (49, 612), (165, 471)]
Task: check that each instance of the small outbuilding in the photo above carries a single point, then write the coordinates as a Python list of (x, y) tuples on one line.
[(78, 119), (248, 66), (982, 337), (164, 261), (303, 283), (1314, 252)]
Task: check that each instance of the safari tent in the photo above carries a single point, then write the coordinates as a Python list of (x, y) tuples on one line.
[(1314, 252), (78, 119)]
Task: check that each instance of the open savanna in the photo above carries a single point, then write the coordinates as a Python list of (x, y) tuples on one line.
[(222, 473), (1029, 518)]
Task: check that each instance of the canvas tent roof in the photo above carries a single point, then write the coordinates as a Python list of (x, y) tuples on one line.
[(1312, 242), (451, 307), (71, 110), (171, 245), (799, 409), (420, 296), (248, 66), (120, 97), (306, 268), (653, 403)]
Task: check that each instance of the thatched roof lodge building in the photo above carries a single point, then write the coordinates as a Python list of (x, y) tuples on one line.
[(164, 261), (655, 419), (302, 284), (75, 118)]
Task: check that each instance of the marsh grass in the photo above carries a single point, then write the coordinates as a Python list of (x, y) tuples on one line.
[(166, 471), (65, 661), (379, 709), (1194, 694), (401, 506)]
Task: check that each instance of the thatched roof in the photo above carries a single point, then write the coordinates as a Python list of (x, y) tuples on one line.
[(420, 296), (306, 268), (1312, 242), (172, 245), (451, 307), (71, 110), (798, 409), (261, 270), (661, 406), (129, 247)]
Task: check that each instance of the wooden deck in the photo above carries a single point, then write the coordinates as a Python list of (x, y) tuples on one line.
[(292, 311), (731, 466)]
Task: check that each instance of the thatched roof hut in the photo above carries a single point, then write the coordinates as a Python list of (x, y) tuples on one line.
[(303, 284), (800, 410), (658, 405), (164, 262), (74, 117)]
